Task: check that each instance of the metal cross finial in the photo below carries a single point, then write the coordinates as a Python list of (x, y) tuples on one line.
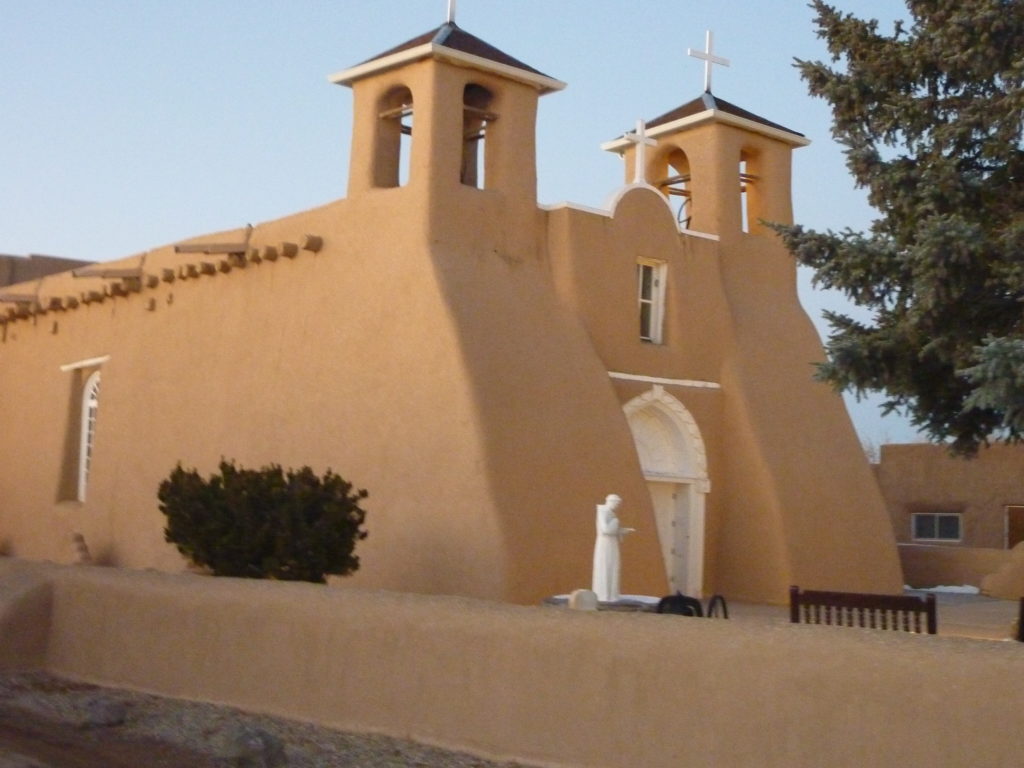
[(451, 11), (709, 60), (642, 142)]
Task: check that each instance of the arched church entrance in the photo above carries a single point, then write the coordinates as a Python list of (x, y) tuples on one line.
[(674, 463)]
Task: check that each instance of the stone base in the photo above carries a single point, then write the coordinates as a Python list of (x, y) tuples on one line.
[(625, 604)]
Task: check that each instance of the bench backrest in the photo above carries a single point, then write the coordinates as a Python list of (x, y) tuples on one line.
[(853, 609)]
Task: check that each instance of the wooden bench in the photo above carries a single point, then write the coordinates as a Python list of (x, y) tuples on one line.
[(904, 613)]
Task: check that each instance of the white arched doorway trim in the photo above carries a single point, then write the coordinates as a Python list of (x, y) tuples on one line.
[(674, 463)]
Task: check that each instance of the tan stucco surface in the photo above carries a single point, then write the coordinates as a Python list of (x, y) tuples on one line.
[(453, 350), (541, 684)]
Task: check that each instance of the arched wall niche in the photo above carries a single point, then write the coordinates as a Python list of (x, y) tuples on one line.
[(668, 439)]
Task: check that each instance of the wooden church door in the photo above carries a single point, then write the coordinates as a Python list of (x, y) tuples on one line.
[(672, 456)]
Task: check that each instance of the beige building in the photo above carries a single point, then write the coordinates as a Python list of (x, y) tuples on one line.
[(487, 368), (936, 498), (954, 519)]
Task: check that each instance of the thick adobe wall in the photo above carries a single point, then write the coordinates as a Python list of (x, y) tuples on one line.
[(817, 479), (554, 437), (794, 471), (445, 379), (593, 265), (554, 441), (343, 358), (786, 468), (539, 684), (593, 258)]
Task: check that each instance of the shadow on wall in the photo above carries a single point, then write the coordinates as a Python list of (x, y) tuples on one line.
[(26, 606)]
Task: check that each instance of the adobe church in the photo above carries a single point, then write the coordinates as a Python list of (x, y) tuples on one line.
[(489, 369)]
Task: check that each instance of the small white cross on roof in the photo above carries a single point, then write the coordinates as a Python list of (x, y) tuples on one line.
[(709, 60), (642, 142), (451, 11)]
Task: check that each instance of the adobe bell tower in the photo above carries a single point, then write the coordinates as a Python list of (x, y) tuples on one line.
[(442, 113), (725, 169)]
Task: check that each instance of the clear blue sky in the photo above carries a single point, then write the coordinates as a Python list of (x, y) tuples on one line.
[(128, 124)]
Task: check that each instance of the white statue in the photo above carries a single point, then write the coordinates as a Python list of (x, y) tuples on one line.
[(606, 550)]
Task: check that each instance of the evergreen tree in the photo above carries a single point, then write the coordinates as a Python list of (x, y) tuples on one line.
[(931, 118)]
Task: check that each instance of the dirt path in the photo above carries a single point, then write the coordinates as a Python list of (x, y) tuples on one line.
[(49, 722), (27, 740)]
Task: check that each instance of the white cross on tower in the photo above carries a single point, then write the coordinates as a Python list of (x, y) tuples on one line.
[(642, 142), (451, 11), (709, 60)]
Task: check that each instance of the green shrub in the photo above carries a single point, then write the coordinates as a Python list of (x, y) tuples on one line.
[(266, 523)]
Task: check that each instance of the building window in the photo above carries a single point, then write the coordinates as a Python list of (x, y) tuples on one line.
[(650, 279), (80, 427), (87, 433), (936, 526)]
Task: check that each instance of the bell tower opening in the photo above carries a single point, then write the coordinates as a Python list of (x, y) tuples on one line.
[(476, 116), (745, 181), (749, 209), (394, 129), (676, 186)]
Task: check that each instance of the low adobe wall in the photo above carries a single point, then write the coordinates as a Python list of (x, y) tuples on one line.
[(544, 685), (932, 566)]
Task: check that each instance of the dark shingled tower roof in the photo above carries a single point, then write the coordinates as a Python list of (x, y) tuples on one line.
[(705, 102), (450, 35)]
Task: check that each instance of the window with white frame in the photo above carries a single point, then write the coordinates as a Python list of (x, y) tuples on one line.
[(87, 431), (936, 526), (650, 279)]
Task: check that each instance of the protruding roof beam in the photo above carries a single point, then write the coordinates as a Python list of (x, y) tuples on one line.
[(212, 249), (17, 298), (98, 270)]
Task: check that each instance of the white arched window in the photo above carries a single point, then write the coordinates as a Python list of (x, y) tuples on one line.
[(90, 406)]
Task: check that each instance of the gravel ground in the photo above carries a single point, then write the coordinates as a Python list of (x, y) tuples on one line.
[(48, 722)]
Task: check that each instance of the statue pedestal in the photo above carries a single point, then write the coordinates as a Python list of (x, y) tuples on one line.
[(625, 604)]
